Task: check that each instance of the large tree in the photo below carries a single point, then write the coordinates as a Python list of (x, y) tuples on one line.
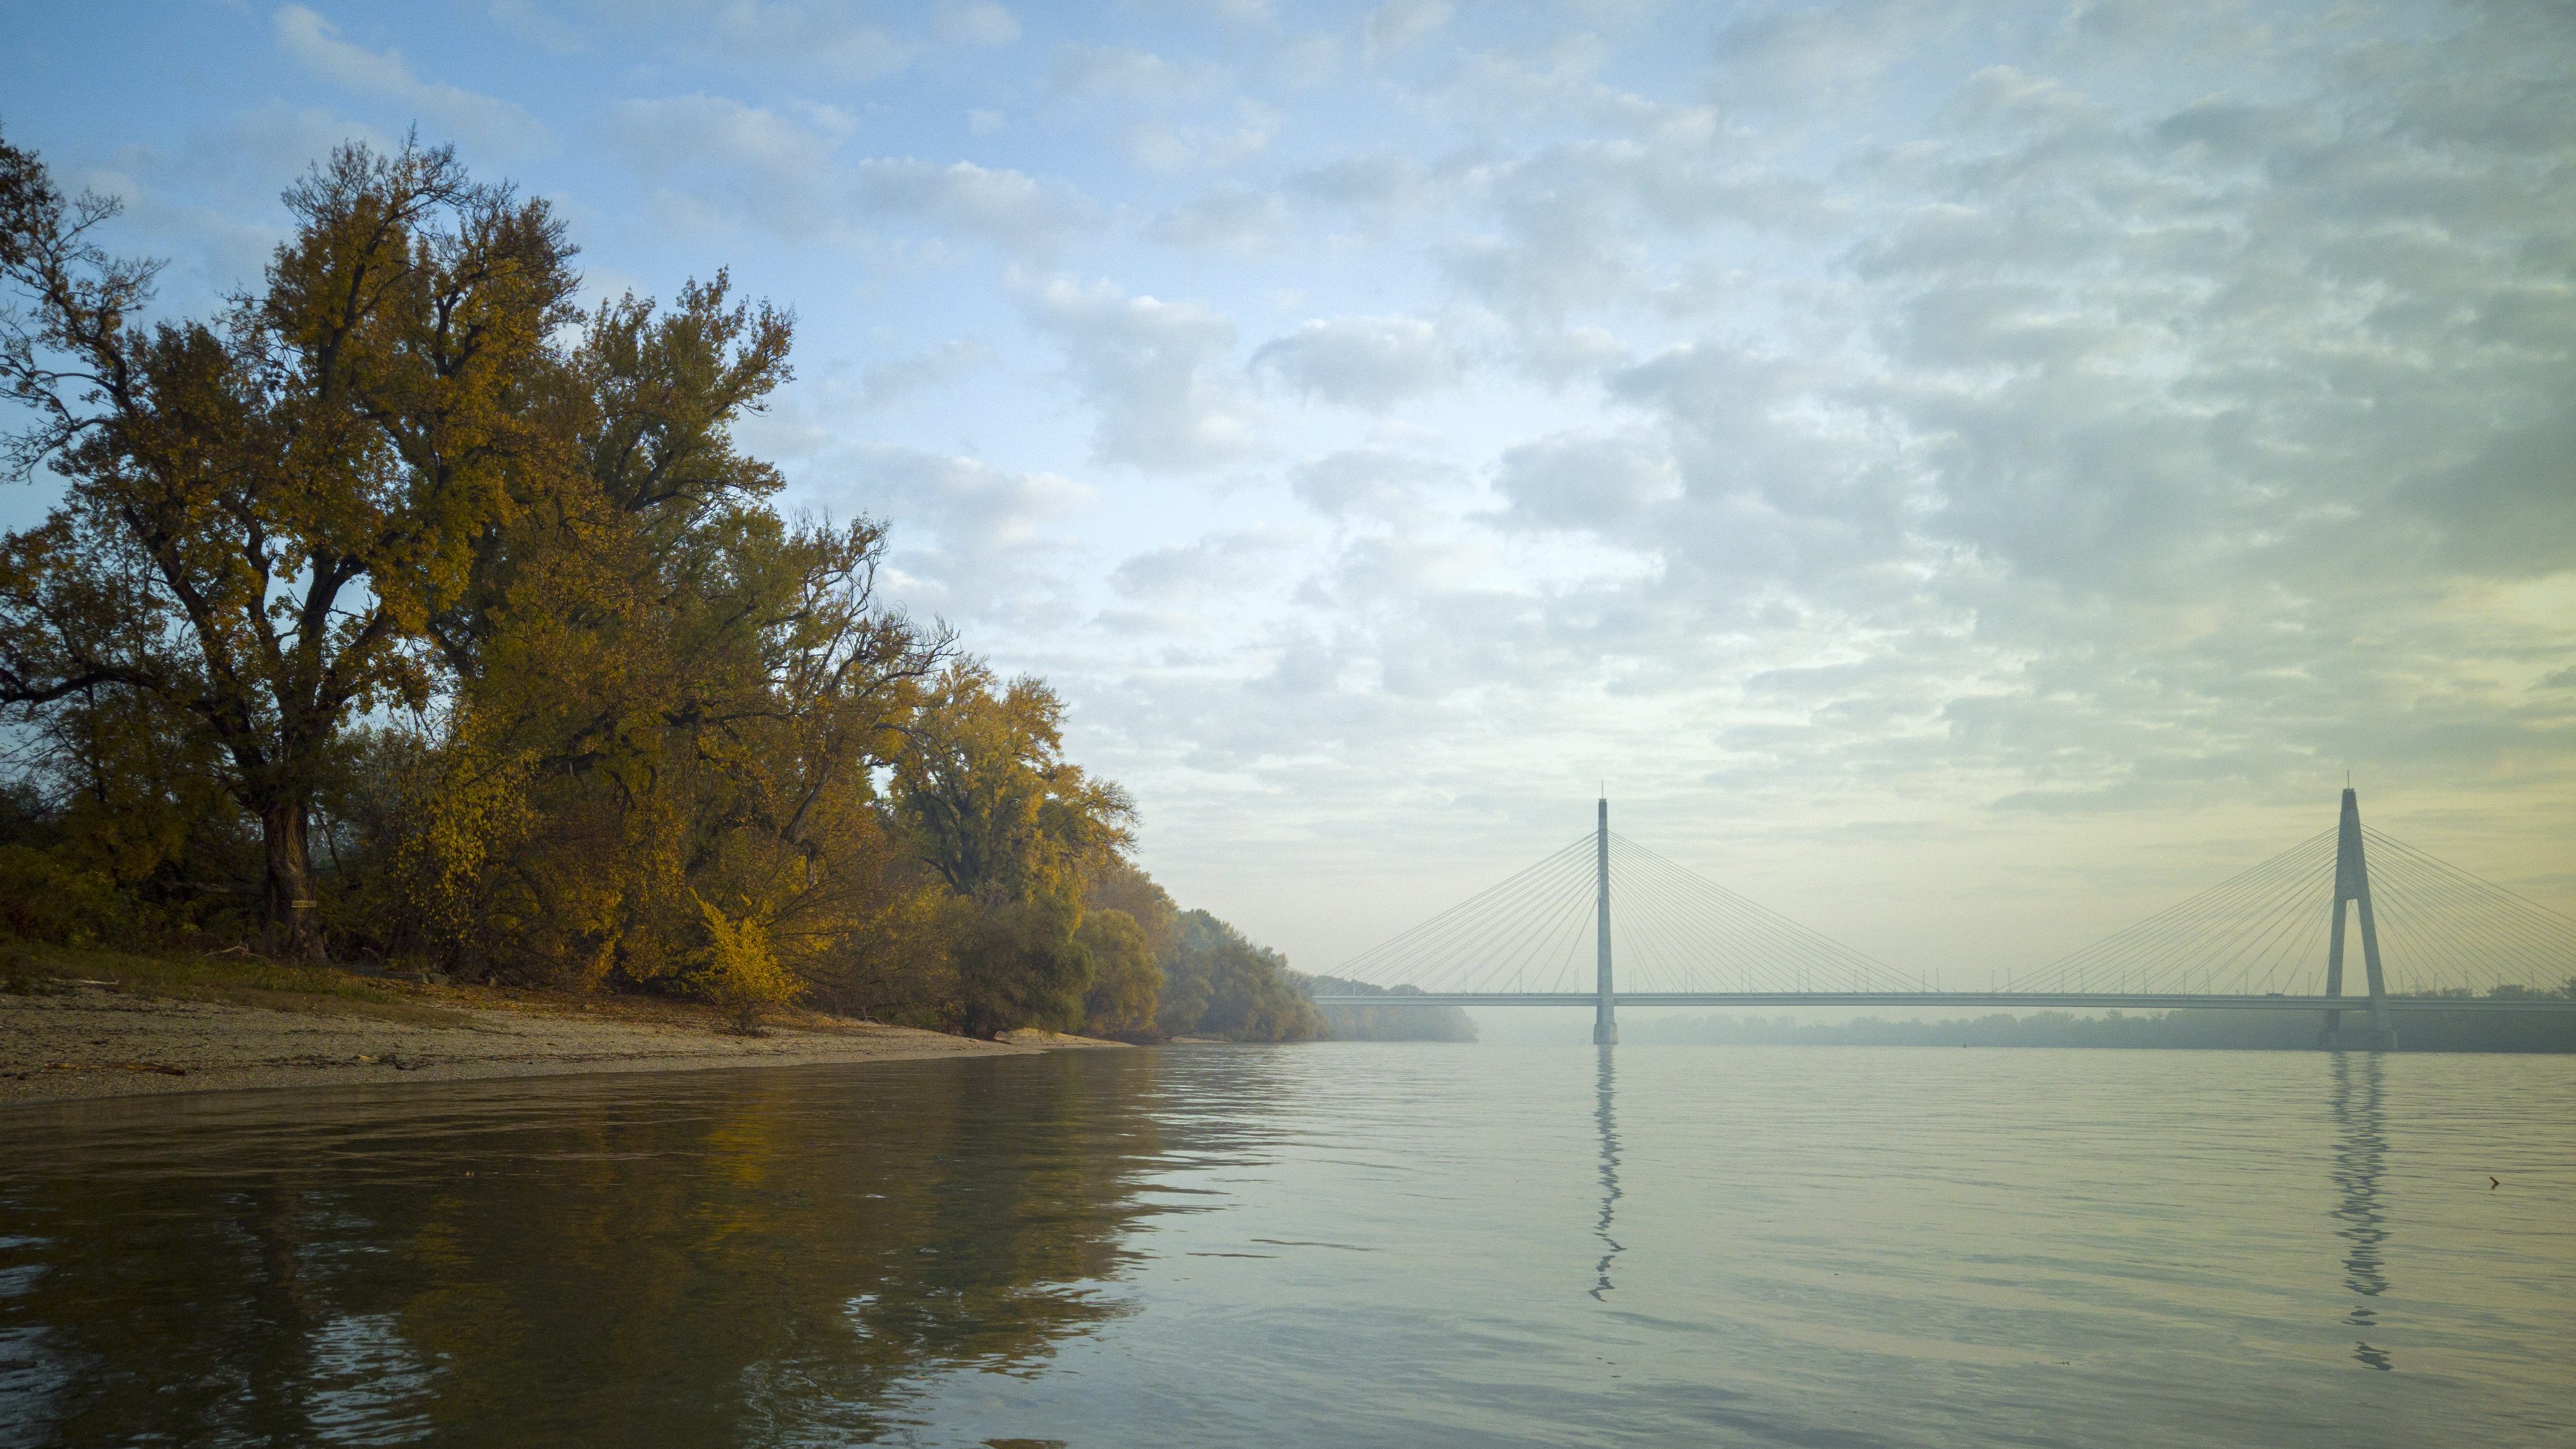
[(264, 512), (667, 699), (1012, 828), (992, 803)]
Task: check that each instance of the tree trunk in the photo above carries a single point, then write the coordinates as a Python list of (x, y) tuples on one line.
[(285, 834)]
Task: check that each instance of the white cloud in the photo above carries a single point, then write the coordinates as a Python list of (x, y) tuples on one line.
[(882, 384), (1573, 480), (995, 544), (1128, 74), (1004, 207), (1368, 362), (1228, 565), (974, 22), (1231, 218), (1307, 61), (807, 42), (1400, 24), (973, 506), (1815, 56), (481, 120), (1372, 482), (211, 199), (728, 160), (1377, 187), (1159, 376), (1590, 223), (823, 38), (529, 22), (1164, 146)]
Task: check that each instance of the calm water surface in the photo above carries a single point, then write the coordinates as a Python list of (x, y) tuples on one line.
[(1343, 1244)]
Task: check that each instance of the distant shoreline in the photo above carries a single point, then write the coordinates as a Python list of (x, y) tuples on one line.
[(2418, 1030), (89, 1041)]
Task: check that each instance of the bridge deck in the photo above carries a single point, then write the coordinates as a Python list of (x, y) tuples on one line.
[(2085, 999)]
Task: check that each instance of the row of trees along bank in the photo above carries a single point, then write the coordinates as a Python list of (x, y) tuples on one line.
[(405, 609)]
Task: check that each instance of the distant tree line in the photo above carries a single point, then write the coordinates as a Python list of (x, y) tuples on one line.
[(1394, 1021), (2461, 1031), (405, 609)]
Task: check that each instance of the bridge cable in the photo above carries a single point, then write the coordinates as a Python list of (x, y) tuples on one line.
[(1481, 942), (1436, 963), (1375, 963), (2410, 909), (1512, 947), (2517, 923), (2436, 922), (2259, 919), (1671, 920), (1542, 950), (2155, 941), (2077, 970), (2517, 935), (1724, 913), (1650, 919)]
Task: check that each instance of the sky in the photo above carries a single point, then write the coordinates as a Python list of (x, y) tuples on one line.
[(1965, 476)]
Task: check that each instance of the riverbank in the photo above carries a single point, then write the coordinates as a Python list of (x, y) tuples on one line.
[(131, 1029)]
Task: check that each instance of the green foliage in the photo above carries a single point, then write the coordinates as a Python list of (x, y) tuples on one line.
[(1218, 984), (1113, 883), (48, 899), (1019, 964), (1125, 980)]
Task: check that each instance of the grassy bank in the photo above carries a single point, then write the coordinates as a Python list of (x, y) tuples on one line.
[(36, 969)]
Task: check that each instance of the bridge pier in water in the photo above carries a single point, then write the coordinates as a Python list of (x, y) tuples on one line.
[(2352, 884), (1605, 1014)]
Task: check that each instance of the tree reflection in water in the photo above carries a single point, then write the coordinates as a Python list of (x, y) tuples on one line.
[(717, 1257), (2358, 1157)]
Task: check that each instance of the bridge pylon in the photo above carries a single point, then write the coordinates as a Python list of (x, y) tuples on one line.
[(2352, 884), (1605, 1015)]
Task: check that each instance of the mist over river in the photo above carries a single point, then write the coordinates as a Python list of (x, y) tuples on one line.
[(1374, 1244)]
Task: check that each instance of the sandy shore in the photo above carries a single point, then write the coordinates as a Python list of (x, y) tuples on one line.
[(90, 1041)]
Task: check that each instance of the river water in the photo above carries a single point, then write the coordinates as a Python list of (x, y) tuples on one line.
[(1347, 1244)]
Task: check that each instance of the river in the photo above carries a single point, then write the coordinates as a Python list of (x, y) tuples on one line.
[(1345, 1244)]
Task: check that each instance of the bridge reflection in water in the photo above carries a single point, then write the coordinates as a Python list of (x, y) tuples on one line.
[(2358, 1158), (1605, 1113), (2360, 1151)]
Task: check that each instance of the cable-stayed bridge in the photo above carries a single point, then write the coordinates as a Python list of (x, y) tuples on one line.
[(1606, 922)]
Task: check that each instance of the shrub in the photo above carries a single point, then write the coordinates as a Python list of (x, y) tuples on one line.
[(740, 973), (46, 900)]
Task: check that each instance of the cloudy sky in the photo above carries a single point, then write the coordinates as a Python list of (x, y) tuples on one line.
[(1965, 475)]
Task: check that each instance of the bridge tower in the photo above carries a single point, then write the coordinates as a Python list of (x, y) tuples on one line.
[(1605, 1019), (2352, 883)]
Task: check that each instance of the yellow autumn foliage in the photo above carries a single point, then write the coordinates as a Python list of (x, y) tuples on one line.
[(739, 972)]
